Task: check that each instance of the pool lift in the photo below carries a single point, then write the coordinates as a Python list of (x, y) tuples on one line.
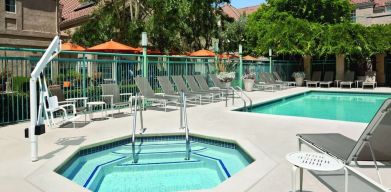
[(134, 125), (37, 125), (184, 124)]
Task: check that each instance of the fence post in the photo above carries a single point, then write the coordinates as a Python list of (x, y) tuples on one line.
[(84, 76), (240, 66)]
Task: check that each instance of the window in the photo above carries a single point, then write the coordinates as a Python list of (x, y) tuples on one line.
[(353, 14), (388, 8), (10, 6)]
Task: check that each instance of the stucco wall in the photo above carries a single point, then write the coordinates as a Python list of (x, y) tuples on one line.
[(33, 25)]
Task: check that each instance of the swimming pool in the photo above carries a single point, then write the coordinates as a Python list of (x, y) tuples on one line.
[(343, 106), (161, 165)]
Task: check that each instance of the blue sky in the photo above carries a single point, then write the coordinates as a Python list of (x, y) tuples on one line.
[(245, 3)]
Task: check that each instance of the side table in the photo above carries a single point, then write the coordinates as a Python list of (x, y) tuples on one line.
[(91, 105), (316, 162)]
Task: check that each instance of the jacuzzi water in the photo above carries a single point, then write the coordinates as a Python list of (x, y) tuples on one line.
[(161, 165)]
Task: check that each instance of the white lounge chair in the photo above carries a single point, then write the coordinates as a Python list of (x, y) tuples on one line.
[(370, 79)]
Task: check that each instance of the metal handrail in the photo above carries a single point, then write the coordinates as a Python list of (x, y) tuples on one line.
[(240, 96), (184, 124), (243, 93)]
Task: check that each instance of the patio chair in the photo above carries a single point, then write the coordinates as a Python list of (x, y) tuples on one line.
[(218, 85), (316, 78), (279, 79), (191, 81), (149, 95), (181, 86), (112, 96), (328, 79), (52, 105), (373, 145), (68, 104), (370, 79), (168, 89), (267, 82), (348, 80)]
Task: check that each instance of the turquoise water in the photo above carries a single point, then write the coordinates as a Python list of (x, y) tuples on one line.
[(354, 107), (161, 166)]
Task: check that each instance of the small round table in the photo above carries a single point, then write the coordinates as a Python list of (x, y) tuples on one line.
[(96, 103), (316, 162)]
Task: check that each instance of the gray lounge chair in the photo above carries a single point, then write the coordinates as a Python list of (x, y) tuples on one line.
[(191, 81), (279, 79), (328, 79), (348, 80), (168, 89), (266, 82), (370, 79), (316, 77), (181, 86), (373, 145), (149, 95), (216, 81), (111, 96)]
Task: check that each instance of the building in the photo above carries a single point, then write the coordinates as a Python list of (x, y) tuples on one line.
[(369, 12), (73, 14), (28, 23), (236, 13)]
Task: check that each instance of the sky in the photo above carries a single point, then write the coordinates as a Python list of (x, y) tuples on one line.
[(245, 3)]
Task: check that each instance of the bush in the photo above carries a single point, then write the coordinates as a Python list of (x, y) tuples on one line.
[(20, 84)]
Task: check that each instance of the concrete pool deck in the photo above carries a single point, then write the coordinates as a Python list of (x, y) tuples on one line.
[(266, 137)]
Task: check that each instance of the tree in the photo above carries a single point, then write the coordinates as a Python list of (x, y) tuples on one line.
[(178, 25), (233, 34)]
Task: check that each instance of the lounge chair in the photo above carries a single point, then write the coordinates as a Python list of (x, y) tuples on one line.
[(112, 96), (328, 79), (168, 89), (68, 104), (316, 77), (370, 79), (181, 86), (373, 145), (348, 80), (204, 84), (279, 79), (149, 95), (216, 81), (267, 82), (191, 81)]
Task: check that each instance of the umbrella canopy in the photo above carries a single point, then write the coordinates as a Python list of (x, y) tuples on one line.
[(227, 56), (71, 47), (112, 46), (202, 53), (149, 52), (249, 58)]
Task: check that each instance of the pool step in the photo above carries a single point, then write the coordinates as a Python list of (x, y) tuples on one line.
[(126, 150)]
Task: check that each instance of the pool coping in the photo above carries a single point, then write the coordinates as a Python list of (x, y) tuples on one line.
[(241, 181)]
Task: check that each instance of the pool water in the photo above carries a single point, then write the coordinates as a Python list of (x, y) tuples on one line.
[(161, 166), (342, 106)]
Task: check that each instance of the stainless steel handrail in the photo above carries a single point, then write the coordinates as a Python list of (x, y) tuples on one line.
[(243, 93), (240, 96), (184, 124)]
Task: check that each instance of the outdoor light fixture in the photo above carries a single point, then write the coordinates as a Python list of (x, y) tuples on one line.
[(144, 39), (240, 49), (270, 52)]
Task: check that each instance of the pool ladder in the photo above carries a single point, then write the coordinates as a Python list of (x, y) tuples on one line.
[(184, 124), (243, 96), (134, 124)]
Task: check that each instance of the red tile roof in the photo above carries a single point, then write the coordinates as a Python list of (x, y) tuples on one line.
[(377, 3), (73, 10), (235, 13), (248, 10), (231, 11)]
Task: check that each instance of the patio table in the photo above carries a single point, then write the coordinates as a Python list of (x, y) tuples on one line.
[(316, 162)]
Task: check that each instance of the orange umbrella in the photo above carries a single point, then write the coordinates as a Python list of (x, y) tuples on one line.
[(71, 47), (202, 53), (227, 56), (249, 58), (112, 46)]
